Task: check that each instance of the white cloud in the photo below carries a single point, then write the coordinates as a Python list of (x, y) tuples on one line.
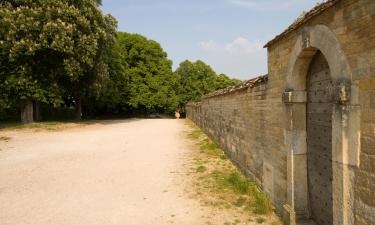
[(243, 45), (267, 5), (208, 45), (241, 58), (239, 45)]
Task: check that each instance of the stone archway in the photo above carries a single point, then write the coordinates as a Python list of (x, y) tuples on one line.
[(345, 127)]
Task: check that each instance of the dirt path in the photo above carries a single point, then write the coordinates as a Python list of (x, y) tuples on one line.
[(123, 172)]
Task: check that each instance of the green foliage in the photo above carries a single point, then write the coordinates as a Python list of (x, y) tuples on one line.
[(141, 78), (223, 81), (51, 48), (198, 79), (151, 80), (113, 96), (49, 113), (60, 52)]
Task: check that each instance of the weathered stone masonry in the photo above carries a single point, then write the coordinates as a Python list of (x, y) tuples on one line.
[(273, 127)]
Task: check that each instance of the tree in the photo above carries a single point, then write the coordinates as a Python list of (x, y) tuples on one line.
[(151, 80), (113, 96), (197, 79), (52, 48), (223, 81), (140, 79)]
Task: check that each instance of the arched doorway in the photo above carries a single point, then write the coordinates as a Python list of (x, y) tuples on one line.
[(319, 140), (345, 132)]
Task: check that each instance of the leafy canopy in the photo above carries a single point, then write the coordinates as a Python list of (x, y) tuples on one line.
[(151, 80), (198, 79), (64, 50), (45, 43)]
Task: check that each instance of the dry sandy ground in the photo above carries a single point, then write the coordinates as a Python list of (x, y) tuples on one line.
[(118, 172)]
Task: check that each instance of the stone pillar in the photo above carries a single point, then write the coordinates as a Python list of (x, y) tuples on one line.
[(295, 142), (345, 151)]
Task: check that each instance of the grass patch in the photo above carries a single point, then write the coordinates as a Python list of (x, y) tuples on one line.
[(39, 126), (241, 201), (261, 204), (276, 223), (42, 125), (5, 139), (239, 184), (210, 148), (220, 183), (196, 134), (201, 169), (234, 182)]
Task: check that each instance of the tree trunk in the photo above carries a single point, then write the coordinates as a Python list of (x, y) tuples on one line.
[(37, 112), (27, 111), (78, 108)]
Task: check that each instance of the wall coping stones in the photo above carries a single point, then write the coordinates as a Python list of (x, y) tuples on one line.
[(244, 85)]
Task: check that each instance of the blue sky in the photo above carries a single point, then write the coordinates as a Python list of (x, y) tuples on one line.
[(227, 34)]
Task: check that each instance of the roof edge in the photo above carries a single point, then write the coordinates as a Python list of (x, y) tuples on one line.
[(304, 18)]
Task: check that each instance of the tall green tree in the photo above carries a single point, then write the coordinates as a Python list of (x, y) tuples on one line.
[(197, 79), (52, 48), (113, 95), (223, 81), (152, 83)]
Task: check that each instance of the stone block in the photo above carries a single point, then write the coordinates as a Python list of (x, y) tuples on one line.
[(368, 145), (290, 97), (289, 216), (366, 196), (367, 163)]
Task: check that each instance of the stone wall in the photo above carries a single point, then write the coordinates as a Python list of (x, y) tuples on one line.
[(263, 127), (246, 125)]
